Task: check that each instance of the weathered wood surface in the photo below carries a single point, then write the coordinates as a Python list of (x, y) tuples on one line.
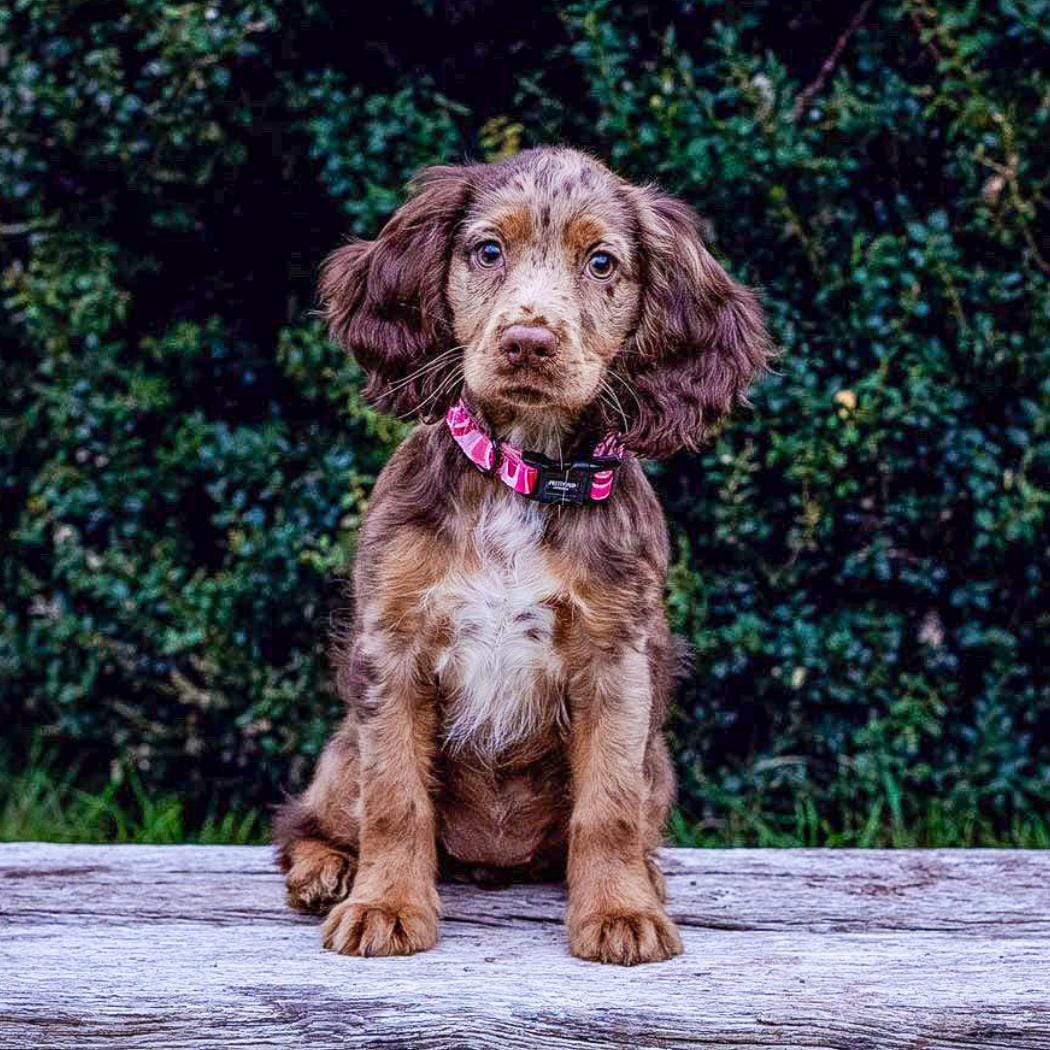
[(184, 946)]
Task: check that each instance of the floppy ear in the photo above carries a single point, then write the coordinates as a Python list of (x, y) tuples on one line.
[(701, 338), (384, 300)]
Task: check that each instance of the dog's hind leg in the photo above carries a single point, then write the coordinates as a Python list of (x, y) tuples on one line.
[(316, 834)]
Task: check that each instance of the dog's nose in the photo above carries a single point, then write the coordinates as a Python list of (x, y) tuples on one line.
[(525, 343)]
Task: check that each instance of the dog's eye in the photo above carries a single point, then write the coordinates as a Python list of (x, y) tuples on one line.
[(488, 253), (601, 265)]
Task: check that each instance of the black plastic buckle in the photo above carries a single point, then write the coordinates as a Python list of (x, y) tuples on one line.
[(565, 483), (497, 456)]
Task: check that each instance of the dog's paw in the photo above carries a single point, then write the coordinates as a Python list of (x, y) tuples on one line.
[(319, 878), (380, 927), (626, 938)]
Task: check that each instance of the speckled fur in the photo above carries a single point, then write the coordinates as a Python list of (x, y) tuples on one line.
[(510, 666)]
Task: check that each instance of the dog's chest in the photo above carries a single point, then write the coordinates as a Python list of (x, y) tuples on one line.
[(499, 670)]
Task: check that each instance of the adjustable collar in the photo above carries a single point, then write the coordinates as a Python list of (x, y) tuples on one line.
[(532, 474)]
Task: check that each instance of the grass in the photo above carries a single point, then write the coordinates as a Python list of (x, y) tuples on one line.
[(40, 804), (879, 826)]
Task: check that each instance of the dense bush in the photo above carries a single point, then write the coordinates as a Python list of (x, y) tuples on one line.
[(862, 559)]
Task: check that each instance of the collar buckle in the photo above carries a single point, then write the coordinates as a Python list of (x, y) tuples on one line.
[(565, 483)]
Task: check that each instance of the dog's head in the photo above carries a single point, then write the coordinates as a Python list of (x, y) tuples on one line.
[(553, 292)]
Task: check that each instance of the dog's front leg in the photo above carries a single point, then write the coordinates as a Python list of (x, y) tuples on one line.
[(393, 908), (615, 915)]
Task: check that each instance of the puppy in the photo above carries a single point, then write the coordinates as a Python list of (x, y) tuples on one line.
[(509, 666)]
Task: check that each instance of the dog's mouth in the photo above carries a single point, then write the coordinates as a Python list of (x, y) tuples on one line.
[(531, 394)]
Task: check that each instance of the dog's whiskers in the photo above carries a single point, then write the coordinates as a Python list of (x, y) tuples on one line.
[(627, 386), (431, 365), (605, 388), (443, 387)]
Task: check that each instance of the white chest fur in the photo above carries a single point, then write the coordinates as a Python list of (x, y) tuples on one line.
[(500, 671)]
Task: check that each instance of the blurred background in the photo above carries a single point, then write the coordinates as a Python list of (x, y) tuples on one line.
[(861, 561)]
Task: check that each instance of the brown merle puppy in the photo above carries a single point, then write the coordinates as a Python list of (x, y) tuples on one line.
[(509, 666)]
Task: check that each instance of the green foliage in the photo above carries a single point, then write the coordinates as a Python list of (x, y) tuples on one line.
[(43, 805), (862, 559)]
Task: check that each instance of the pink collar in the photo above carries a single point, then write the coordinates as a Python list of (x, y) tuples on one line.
[(532, 474)]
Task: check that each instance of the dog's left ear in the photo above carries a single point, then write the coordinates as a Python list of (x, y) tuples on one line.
[(384, 300), (701, 339)]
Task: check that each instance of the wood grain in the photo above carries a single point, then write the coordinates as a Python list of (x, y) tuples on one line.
[(188, 946)]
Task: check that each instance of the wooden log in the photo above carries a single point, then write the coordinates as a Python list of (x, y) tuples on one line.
[(191, 946)]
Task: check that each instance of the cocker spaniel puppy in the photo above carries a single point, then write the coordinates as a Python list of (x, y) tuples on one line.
[(509, 666)]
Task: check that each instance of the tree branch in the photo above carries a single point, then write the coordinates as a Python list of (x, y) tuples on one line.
[(832, 60)]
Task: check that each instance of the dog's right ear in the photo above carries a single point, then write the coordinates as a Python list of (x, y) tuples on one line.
[(384, 300)]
